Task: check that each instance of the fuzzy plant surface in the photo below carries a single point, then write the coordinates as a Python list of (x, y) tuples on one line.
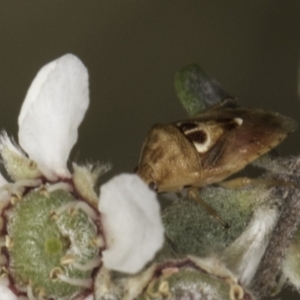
[(57, 228), (253, 257), (63, 238), (261, 246)]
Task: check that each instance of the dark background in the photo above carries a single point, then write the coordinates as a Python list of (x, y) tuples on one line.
[(133, 49)]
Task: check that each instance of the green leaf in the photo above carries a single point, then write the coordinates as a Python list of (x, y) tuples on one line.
[(196, 90)]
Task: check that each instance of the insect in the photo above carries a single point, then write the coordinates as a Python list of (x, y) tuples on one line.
[(209, 147)]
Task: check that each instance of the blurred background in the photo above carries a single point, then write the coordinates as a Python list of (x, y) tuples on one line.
[(132, 50)]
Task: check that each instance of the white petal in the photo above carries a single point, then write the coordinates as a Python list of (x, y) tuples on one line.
[(3, 181), (247, 250), (53, 109), (6, 293), (4, 194), (131, 223)]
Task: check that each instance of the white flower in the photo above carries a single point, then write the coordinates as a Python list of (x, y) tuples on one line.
[(131, 222), (6, 293), (53, 109)]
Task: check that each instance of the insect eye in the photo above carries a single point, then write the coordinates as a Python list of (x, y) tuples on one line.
[(153, 186)]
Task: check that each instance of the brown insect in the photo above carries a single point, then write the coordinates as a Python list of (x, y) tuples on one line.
[(209, 147)]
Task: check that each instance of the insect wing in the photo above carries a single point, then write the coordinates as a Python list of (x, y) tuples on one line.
[(230, 138), (209, 147)]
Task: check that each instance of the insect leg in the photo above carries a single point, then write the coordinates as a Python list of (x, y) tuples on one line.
[(193, 193), (179, 195), (171, 244), (241, 182)]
